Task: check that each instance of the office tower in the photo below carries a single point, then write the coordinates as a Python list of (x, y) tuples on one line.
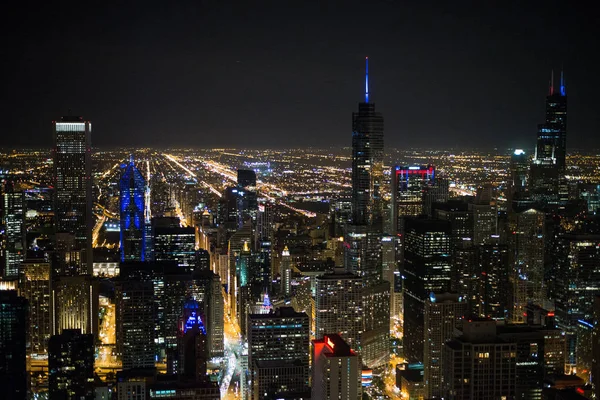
[(526, 245), (192, 345), (71, 365), (336, 370), (133, 207), (577, 281), (519, 171), (549, 162), (443, 314), (174, 243), (264, 220), (286, 272), (243, 290), (72, 156), (485, 217), (142, 384), (408, 185), (479, 365), (338, 306), (203, 260), (489, 295), (427, 269), (375, 338), (367, 161), (13, 338), (341, 212), (75, 304), (278, 341), (362, 252), (246, 198), (206, 289), (136, 319), (235, 245), (34, 285), (437, 192), (14, 223), (540, 355)]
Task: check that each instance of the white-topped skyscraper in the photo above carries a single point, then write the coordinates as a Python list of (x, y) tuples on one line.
[(72, 156)]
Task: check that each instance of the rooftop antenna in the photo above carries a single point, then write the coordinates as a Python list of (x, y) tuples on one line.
[(563, 89), (552, 83), (366, 79)]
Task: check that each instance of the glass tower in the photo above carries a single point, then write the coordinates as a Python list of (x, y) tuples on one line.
[(132, 206)]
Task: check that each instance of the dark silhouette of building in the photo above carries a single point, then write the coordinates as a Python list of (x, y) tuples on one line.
[(71, 366), (192, 345), (13, 338)]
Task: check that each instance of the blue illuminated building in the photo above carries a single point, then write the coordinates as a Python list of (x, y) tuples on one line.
[(192, 345), (132, 207)]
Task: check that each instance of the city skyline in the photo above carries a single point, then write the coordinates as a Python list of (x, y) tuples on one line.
[(209, 76)]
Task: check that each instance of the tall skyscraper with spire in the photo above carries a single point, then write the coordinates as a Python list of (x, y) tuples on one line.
[(367, 161), (547, 170)]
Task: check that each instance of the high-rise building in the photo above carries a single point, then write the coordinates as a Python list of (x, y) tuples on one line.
[(13, 338), (367, 161), (192, 345), (519, 171), (71, 365), (72, 154), (338, 306), (596, 345), (443, 314), (175, 244), (34, 285), (133, 207), (485, 217), (136, 321), (14, 223), (286, 272), (427, 269), (408, 185), (336, 370), (75, 304), (362, 252), (549, 161), (375, 338), (479, 365), (490, 284), (246, 198), (277, 341), (207, 291), (526, 245)]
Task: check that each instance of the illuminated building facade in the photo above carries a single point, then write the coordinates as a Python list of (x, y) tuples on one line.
[(34, 285), (336, 370), (192, 344), (75, 304), (286, 272), (71, 365), (338, 306), (13, 338), (427, 269), (176, 244), (443, 314), (408, 186), (132, 209), (72, 154), (280, 337), (14, 223)]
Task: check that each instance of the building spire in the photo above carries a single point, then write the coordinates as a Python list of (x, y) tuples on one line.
[(563, 89), (366, 79), (551, 92)]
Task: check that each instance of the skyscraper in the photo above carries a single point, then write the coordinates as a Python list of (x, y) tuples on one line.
[(13, 338), (75, 304), (192, 345), (427, 270), (443, 314), (338, 306), (132, 206), (71, 365), (278, 341), (72, 155), (34, 285), (549, 162), (367, 161), (408, 185), (336, 370), (286, 272), (14, 221)]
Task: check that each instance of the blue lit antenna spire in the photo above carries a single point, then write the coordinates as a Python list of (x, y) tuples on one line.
[(366, 79), (563, 89)]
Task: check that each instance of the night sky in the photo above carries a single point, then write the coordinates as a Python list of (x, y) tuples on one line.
[(289, 73)]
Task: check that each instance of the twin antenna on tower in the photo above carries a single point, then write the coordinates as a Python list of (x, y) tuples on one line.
[(563, 89)]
